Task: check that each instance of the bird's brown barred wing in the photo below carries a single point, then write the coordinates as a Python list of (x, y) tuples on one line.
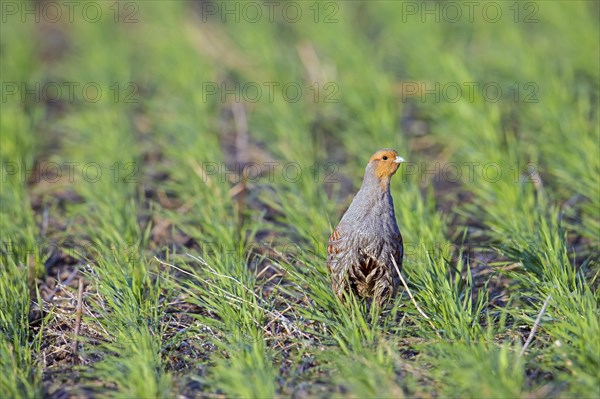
[(365, 273), (397, 252), (397, 246), (336, 263), (374, 273)]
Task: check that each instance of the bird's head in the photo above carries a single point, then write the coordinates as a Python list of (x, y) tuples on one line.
[(382, 166)]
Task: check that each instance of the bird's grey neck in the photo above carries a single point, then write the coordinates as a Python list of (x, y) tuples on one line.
[(373, 191), (371, 199), (371, 182)]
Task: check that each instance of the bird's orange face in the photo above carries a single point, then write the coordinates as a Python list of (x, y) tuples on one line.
[(386, 162)]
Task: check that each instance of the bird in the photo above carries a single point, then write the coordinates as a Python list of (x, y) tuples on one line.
[(362, 245)]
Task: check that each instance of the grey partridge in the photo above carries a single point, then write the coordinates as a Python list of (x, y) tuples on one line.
[(361, 247)]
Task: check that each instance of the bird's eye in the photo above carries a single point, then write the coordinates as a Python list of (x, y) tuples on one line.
[(385, 157)]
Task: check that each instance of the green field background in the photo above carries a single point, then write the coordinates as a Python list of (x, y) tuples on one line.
[(183, 163)]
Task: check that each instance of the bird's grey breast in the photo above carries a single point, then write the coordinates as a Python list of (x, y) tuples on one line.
[(372, 221)]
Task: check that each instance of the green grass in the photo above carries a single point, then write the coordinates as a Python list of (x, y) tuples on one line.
[(19, 344), (202, 280)]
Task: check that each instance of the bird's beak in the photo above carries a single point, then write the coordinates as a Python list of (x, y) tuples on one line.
[(399, 159)]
